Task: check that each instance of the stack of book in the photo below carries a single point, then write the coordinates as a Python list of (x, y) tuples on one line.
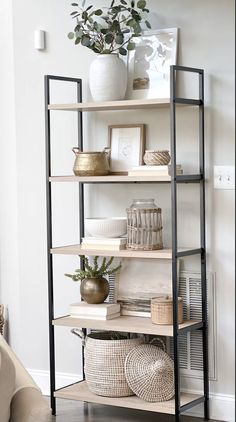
[(115, 243), (101, 311), (154, 170)]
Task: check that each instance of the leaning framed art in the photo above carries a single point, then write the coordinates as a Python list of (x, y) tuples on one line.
[(127, 144), (149, 64)]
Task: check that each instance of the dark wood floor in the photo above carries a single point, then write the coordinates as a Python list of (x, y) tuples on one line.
[(69, 411)]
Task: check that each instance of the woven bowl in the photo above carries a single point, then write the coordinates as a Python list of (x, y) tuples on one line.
[(149, 372), (156, 158)]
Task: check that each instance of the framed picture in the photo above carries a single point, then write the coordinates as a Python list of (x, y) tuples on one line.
[(127, 144), (137, 283), (149, 64)]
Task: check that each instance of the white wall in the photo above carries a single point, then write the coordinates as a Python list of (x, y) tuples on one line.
[(206, 40), (9, 256)]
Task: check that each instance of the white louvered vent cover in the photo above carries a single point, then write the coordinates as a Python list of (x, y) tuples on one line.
[(190, 344), (112, 289)]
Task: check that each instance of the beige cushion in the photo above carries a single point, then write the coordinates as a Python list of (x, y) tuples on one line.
[(28, 405), (7, 385), (25, 398), (23, 379)]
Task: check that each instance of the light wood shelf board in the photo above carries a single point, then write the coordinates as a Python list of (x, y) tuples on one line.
[(77, 250), (128, 324), (81, 392), (110, 178), (113, 105)]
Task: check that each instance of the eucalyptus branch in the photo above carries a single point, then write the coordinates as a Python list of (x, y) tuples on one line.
[(122, 45), (124, 17)]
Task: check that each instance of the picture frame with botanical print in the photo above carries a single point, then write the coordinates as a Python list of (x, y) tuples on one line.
[(149, 64), (127, 146)]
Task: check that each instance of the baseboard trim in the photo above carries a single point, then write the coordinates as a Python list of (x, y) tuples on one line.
[(222, 406), (42, 379)]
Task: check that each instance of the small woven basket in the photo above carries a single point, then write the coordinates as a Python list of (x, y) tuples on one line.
[(149, 372), (104, 362), (162, 310), (156, 158)]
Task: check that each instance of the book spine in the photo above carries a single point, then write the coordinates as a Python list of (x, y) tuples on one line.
[(152, 173), (103, 242), (96, 317), (103, 247), (125, 312), (91, 313), (154, 168), (148, 174)]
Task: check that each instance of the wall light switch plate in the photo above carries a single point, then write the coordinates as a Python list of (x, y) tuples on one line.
[(224, 177)]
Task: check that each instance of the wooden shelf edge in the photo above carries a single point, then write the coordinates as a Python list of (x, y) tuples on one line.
[(112, 105), (128, 324), (165, 253), (80, 392), (124, 253), (110, 179)]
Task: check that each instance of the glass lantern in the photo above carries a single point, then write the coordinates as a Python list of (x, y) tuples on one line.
[(144, 225)]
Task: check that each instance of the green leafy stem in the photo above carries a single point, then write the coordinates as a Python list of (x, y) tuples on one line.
[(115, 30), (94, 270)]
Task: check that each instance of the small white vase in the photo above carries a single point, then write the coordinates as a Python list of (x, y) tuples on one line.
[(108, 78)]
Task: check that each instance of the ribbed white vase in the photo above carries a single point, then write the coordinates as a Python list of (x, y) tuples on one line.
[(108, 78)]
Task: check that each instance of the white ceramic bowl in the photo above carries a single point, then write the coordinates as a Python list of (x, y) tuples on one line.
[(106, 227)]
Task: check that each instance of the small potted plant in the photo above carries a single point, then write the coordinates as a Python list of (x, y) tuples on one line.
[(94, 287), (109, 32)]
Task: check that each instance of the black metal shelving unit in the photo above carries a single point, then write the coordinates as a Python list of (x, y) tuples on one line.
[(176, 254)]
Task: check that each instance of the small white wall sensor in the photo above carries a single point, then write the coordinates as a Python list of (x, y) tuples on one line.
[(39, 39)]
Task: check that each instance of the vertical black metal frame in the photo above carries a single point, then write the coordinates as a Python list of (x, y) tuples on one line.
[(47, 80), (175, 254), (174, 99)]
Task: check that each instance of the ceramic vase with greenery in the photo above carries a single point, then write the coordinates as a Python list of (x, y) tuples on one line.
[(94, 287), (109, 32)]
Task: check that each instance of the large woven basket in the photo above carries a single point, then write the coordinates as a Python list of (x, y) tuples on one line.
[(104, 363), (149, 372)]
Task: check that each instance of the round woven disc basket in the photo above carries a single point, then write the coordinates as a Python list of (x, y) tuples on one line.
[(104, 363), (149, 372)]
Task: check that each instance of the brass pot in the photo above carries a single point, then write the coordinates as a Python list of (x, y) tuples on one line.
[(94, 290), (91, 163)]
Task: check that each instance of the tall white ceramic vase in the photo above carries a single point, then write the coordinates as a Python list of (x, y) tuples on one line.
[(108, 78)]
